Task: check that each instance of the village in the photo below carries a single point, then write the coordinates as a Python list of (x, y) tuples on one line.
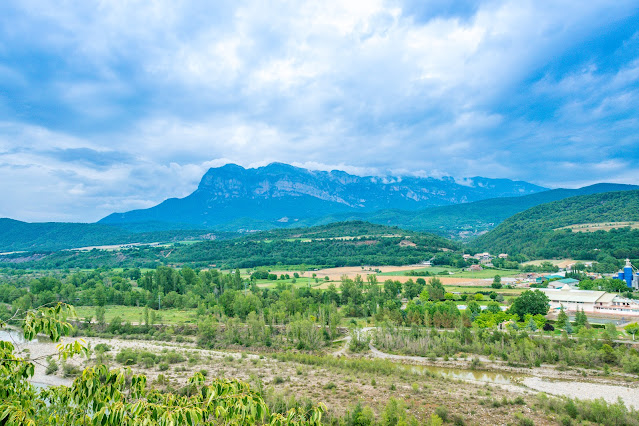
[(565, 292)]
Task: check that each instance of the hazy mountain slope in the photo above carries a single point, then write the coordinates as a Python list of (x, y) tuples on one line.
[(280, 194), (534, 232)]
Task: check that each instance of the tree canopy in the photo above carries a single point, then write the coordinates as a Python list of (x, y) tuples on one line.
[(530, 302)]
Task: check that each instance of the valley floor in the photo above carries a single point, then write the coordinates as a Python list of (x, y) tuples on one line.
[(494, 393)]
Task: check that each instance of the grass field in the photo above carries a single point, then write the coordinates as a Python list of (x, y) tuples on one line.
[(300, 282), (476, 289), (134, 314), (458, 273)]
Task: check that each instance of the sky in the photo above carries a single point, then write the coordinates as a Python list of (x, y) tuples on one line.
[(116, 105)]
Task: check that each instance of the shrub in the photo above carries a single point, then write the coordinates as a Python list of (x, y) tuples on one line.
[(71, 370), (52, 367), (102, 347), (442, 412)]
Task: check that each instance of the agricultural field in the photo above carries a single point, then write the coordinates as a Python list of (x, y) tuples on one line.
[(135, 314), (456, 272), (603, 226)]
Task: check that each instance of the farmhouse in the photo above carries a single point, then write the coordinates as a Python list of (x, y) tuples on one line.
[(590, 301), (570, 282)]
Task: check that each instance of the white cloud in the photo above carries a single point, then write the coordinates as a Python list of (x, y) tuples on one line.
[(165, 90)]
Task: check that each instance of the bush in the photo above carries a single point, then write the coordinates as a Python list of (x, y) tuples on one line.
[(52, 367), (102, 347), (163, 366), (71, 370), (174, 357), (127, 357), (442, 412)]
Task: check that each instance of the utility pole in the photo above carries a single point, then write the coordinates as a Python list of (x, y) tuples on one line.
[(159, 302)]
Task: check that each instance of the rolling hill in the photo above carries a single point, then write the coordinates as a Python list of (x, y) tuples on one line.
[(339, 244), (537, 232)]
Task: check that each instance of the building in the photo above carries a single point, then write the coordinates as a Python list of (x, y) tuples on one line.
[(503, 256), (548, 278), (627, 274), (570, 282), (590, 301)]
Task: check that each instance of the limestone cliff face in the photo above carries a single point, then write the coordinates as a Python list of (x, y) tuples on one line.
[(279, 190)]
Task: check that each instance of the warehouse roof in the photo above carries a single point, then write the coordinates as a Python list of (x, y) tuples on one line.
[(567, 295)]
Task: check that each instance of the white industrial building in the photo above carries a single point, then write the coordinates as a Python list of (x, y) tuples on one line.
[(590, 301)]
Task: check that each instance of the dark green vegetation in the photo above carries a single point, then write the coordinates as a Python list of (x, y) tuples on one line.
[(534, 232), (464, 221), (370, 245), (22, 236), (230, 312), (300, 325), (260, 250)]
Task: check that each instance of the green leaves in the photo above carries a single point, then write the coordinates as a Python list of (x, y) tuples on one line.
[(100, 396), (49, 321)]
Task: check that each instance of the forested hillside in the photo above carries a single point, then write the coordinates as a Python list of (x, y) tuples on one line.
[(467, 220), (340, 244), (49, 236), (535, 232)]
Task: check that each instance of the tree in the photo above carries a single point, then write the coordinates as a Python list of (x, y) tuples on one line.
[(530, 302), (581, 319), (562, 318), (496, 282), (632, 328), (99, 314), (100, 295), (436, 289), (424, 296)]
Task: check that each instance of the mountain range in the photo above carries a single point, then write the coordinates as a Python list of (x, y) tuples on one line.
[(280, 194), (231, 200)]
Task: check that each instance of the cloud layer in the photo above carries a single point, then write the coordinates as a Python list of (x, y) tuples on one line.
[(111, 105)]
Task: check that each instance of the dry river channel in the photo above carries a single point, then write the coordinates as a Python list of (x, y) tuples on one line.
[(543, 379)]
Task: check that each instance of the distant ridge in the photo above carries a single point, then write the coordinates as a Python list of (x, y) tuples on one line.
[(280, 195)]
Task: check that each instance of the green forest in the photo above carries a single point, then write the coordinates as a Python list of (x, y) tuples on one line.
[(370, 245), (535, 234)]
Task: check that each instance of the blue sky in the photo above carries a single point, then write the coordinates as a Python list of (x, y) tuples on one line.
[(114, 105)]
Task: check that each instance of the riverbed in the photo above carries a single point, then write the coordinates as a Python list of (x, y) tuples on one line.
[(535, 381)]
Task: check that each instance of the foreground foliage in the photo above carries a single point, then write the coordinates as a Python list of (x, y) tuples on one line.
[(103, 397)]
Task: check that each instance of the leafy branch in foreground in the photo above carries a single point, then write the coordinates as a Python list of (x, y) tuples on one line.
[(115, 397)]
